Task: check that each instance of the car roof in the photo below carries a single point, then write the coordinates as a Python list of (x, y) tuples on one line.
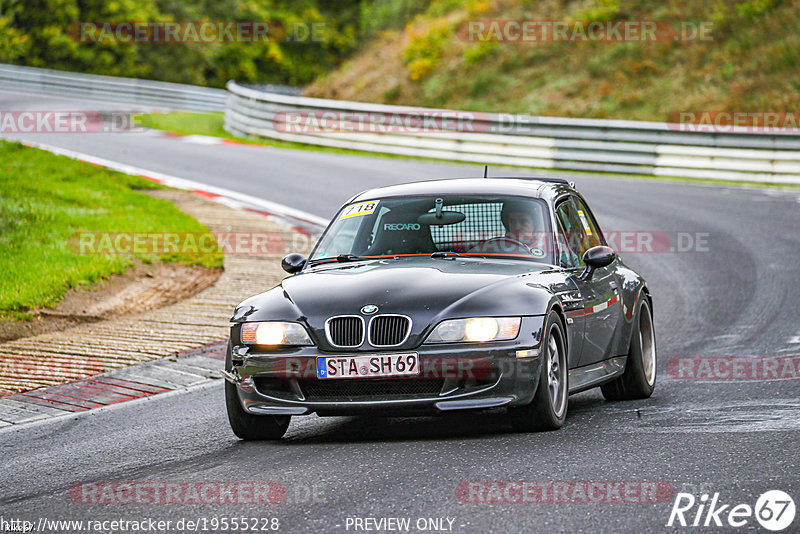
[(534, 187)]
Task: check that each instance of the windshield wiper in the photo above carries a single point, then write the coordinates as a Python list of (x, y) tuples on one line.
[(339, 258), (349, 257), (445, 255)]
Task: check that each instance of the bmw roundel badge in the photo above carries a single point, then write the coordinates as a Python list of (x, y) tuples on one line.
[(369, 309)]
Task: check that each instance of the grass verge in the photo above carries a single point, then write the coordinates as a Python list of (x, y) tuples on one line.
[(46, 199), (211, 124)]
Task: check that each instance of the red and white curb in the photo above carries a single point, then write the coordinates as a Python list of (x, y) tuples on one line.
[(302, 221), (208, 140), (188, 369)]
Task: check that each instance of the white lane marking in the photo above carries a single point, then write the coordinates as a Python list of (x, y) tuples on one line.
[(794, 339), (190, 185)]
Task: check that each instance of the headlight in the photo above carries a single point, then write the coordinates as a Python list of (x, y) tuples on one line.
[(274, 333), (475, 329)]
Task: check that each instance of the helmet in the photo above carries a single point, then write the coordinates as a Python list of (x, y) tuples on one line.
[(510, 206)]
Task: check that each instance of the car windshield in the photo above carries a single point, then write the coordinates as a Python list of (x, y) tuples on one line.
[(506, 226)]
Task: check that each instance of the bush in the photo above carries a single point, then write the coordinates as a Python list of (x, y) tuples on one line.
[(425, 48), (39, 33)]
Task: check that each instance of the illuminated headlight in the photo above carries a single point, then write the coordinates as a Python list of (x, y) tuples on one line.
[(475, 329), (274, 333)]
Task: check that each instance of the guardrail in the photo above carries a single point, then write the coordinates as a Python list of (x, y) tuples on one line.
[(115, 89), (625, 147)]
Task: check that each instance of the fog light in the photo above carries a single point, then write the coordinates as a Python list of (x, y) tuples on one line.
[(529, 353)]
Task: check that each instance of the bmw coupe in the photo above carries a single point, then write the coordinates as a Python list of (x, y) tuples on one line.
[(446, 295)]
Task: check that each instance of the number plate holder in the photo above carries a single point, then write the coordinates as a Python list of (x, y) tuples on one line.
[(368, 366)]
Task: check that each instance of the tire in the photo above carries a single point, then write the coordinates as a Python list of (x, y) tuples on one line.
[(245, 425), (252, 427), (548, 409), (639, 378)]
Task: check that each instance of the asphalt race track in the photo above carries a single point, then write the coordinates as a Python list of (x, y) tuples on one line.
[(734, 295)]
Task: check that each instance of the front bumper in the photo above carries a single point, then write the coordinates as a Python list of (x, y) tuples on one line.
[(458, 376)]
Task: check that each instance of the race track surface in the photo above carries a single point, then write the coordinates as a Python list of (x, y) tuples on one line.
[(735, 295)]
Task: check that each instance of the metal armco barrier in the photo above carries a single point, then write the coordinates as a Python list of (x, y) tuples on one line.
[(625, 147), (114, 89)]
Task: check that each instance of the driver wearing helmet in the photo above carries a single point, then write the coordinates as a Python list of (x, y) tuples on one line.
[(519, 224), (521, 235)]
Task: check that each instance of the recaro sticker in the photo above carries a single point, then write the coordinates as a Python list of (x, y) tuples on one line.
[(401, 226), (585, 222), (359, 209)]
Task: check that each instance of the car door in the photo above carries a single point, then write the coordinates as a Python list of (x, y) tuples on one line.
[(599, 295), (571, 297)]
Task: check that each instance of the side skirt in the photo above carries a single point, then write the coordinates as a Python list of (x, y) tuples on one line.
[(589, 376)]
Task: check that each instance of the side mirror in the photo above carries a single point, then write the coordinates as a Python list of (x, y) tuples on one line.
[(596, 258), (294, 263)]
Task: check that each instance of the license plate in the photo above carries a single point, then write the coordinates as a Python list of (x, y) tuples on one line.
[(368, 366)]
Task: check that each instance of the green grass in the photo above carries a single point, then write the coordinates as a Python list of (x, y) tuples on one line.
[(186, 123), (45, 200)]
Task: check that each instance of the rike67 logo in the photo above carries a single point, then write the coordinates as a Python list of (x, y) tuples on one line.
[(774, 510)]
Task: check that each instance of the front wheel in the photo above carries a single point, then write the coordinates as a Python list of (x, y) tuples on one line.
[(639, 379), (252, 427), (548, 410)]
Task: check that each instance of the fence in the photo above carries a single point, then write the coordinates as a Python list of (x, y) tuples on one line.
[(626, 147), (593, 145), (121, 90)]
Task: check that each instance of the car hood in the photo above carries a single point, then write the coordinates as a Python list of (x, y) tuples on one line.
[(425, 289)]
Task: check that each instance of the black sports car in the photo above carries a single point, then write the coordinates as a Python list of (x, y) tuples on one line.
[(445, 295)]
